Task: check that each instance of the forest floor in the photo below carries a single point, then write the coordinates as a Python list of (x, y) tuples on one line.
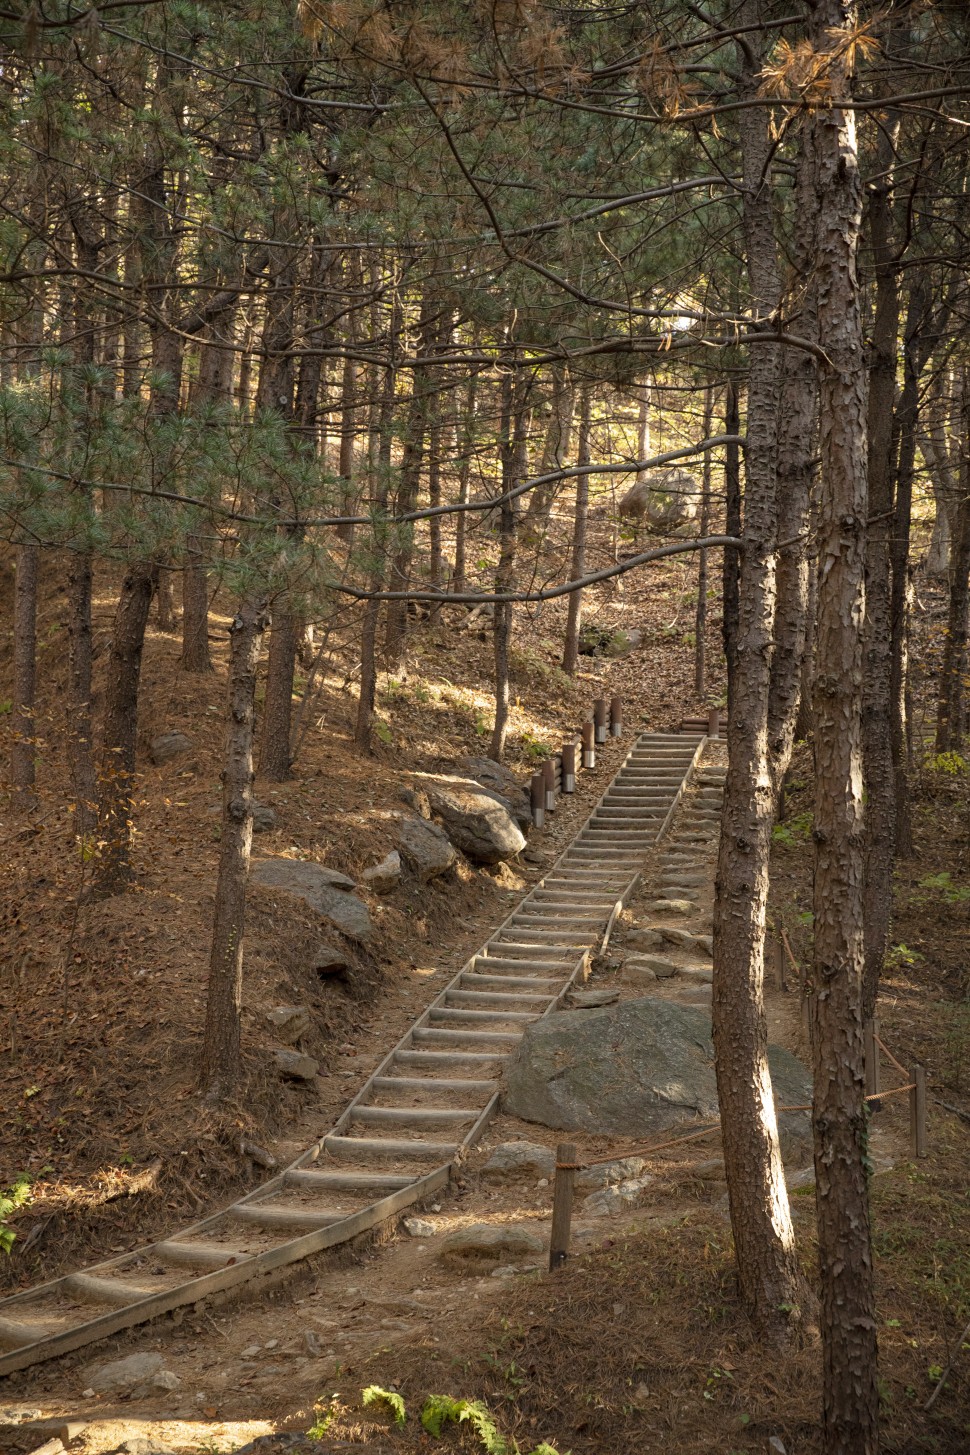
[(639, 1344)]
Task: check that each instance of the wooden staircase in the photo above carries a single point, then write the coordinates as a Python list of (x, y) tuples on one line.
[(429, 1100)]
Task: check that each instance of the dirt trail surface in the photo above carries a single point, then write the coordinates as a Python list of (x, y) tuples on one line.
[(349, 1319)]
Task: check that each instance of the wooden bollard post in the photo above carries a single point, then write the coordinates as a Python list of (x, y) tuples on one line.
[(778, 956), (616, 717), (917, 1113), (601, 712), (569, 767), (714, 723), (549, 782), (537, 800), (589, 748), (562, 1205)]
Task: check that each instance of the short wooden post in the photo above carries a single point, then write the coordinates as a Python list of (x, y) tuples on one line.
[(714, 723), (870, 1033), (616, 717), (562, 1205), (569, 767), (589, 748), (778, 956), (537, 800), (601, 713), (917, 1112), (549, 780)]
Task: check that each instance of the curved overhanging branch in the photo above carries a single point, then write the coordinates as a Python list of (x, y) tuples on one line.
[(549, 593)]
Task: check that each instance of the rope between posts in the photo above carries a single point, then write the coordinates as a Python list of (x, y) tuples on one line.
[(901, 1069), (704, 1132)]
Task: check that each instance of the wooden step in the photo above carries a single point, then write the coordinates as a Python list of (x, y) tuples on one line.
[(442, 1015), (89, 1288), (416, 1084), (434, 1060), (199, 1255), (438, 1036), (17, 1334), (416, 1116), (373, 1147), (270, 1215), (474, 981), (483, 999), (371, 1184)]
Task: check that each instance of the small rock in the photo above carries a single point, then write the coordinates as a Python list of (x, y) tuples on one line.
[(251, 1351), (123, 1374), (697, 974), (324, 890), (71, 1430), (290, 1022), (142, 1445), (607, 1174), (384, 876), (329, 960), (508, 1270), (705, 942), (679, 891), (661, 966), (312, 1343), (20, 1414), (615, 1199), (168, 746), (671, 906), (636, 971), (641, 939), (426, 847), (590, 999), (711, 1170), (675, 936), (519, 1159), (418, 1228), (264, 818), (417, 799), (489, 1243), (271, 1344), (776, 1446), (691, 877), (295, 1065)]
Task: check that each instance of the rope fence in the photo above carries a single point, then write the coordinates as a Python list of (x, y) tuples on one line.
[(568, 1163)]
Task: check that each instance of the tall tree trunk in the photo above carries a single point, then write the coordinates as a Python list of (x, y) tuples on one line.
[(850, 1395), (379, 486), (220, 1063), (796, 438), (120, 730), (555, 452), (467, 436), (950, 713), (731, 559), (700, 612), (513, 433), (348, 430), (877, 760), (906, 417), (760, 1216), (409, 480), (570, 655), (80, 731), (23, 750)]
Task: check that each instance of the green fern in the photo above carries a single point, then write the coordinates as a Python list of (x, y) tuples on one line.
[(14, 1198), (440, 1410), (373, 1394)]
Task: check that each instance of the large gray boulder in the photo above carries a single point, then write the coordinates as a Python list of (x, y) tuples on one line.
[(324, 890), (633, 1070), (502, 783), (426, 847), (475, 820), (664, 500)]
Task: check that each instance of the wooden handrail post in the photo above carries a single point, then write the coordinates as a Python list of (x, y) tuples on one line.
[(549, 779), (601, 712), (537, 800), (562, 1205), (569, 767), (616, 717), (917, 1111), (589, 745)]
